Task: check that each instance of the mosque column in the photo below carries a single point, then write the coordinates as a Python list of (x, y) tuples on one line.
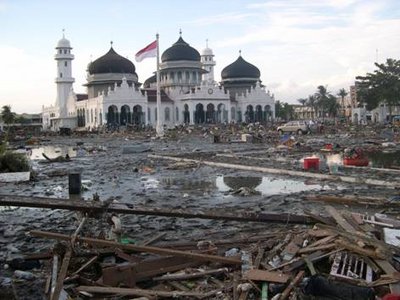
[(192, 113), (229, 112)]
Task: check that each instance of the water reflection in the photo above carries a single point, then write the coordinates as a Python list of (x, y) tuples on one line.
[(266, 185), (52, 152)]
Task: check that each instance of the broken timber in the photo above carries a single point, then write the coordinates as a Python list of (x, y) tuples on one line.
[(148, 249), (123, 208), (348, 179)]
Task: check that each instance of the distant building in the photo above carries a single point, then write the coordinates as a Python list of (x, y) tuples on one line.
[(189, 92)]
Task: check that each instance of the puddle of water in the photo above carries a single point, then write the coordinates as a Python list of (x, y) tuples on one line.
[(265, 185), (52, 152)]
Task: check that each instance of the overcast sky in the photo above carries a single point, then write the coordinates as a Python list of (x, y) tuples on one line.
[(296, 44)]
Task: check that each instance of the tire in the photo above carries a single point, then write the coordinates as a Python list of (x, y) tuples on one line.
[(299, 132)]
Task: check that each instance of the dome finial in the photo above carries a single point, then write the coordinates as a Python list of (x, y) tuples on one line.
[(180, 32), (111, 43), (240, 52), (206, 43), (63, 31)]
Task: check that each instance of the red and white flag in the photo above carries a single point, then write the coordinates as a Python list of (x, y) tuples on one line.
[(148, 51)]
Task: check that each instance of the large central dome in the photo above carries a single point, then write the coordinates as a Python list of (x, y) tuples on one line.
[(180, 51), (111, 62), (240, 69)]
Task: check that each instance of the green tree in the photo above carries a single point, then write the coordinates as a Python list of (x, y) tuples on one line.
[(381, 86), (343, 93), (312, 102), (302, 101), (332, 106), (323, 99), (7, 115), (284, 110)]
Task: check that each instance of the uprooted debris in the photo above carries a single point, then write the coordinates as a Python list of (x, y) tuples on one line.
[(344, 255)]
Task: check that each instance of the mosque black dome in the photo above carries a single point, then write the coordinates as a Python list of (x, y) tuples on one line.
[(180, 51), (111, 62), (240, 69)]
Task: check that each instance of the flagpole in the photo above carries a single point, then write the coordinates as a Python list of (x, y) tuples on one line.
[(159, 126)]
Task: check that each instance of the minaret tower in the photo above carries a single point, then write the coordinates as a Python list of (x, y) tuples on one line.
[(207, 59), (64, 79)]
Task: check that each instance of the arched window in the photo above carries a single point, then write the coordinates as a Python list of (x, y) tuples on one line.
[(148, 114), (187, 76), (155, 114), (166, 114), (65, 63), (91, 115), (176, 114), (179, 76)]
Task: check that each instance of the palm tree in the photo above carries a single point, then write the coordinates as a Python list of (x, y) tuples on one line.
[(322, 96), (343, 93), (312, 102), (8, 117), (302, 101)]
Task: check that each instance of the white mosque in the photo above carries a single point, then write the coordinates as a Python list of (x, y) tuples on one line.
[(189, 92)]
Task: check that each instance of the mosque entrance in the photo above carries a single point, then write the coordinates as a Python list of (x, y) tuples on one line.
[(259, 114), (112, 115), (199, 114), (249, 114), (137, 115), (210, 114), (126, 117), (186, 114), (222, 114), (267, 113)]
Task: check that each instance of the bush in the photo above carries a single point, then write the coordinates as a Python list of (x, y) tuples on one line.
[(13, 162)]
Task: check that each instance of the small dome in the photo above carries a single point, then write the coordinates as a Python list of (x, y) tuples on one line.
[(180, 51), (240, 69), (63, 43), (111, 62), (149, 81), (207, 51)]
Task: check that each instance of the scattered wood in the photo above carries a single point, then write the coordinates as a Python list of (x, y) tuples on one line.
[(291, 285), (191, 275), (261, 275), (96, 207), (61, 276), (156, 250)]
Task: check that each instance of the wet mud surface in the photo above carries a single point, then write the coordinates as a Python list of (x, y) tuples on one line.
[(119, 169)]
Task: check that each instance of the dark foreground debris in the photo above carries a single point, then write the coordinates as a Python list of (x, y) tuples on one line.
[(341, 255)]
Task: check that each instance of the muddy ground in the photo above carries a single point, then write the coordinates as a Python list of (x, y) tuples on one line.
[(118, 168)]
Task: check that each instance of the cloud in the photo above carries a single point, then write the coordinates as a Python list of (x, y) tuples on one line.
[(299, 45), (221, 18), (27, 81)]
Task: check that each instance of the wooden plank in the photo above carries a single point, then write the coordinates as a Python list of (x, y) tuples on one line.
[(93, 207), (261, 275), (129, 274), (313, 249), (86, 265), (339, 219), (61, 276), (148, 249), (143, 292), (191, 275), (154, 239), (292, 284), (359, 250), (390, 270)]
